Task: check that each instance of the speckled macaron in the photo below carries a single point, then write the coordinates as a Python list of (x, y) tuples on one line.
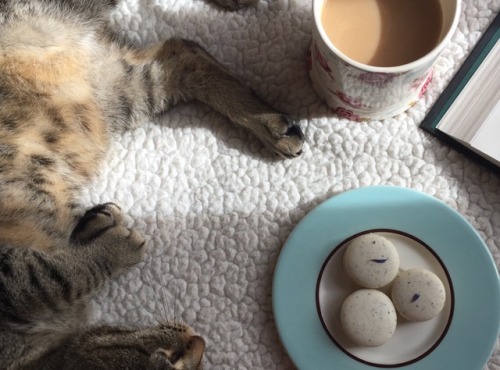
[(418, 295), (368, 317), (371, 261)]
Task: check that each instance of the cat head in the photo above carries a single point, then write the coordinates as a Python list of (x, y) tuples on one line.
[(167, 346), (180, 348)]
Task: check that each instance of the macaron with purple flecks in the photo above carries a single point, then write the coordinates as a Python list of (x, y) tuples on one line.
[(418, 295), (371, 261), (368, 317)]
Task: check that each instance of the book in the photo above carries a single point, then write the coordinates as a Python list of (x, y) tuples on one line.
[(467, 114)]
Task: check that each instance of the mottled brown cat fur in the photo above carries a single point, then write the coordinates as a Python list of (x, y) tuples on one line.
[(66, 87)]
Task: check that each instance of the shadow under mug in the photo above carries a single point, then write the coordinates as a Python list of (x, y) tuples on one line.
[(362, 92)]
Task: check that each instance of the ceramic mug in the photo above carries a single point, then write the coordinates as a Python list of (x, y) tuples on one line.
[(362, 92)]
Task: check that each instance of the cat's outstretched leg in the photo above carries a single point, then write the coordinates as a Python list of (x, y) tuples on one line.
[(180, 70), (37, 285)]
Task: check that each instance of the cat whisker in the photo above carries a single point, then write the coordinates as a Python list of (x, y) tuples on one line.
[(116, 285), (154, 316), (159, 309), (165, 305)]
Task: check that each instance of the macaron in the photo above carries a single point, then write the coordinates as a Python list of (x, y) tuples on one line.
[(371, 261), (418, 295), (368, 317)]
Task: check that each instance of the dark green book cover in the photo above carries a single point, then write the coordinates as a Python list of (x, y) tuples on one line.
[(463, 75)]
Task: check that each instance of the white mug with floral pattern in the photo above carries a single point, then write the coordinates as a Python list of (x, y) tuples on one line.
[(362, 92)]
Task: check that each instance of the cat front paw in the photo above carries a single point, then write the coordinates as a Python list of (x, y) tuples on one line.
[(282, 136), (101, 228), (97, 221)]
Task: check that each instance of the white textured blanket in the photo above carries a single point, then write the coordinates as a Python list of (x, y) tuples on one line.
[(217, 208)]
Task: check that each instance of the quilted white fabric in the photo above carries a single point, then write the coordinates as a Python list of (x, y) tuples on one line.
[(217, 208)]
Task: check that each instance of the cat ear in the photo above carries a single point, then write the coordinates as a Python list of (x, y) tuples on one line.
[(196, 348)]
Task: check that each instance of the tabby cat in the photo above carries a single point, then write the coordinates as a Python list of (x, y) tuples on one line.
[(66, 86)]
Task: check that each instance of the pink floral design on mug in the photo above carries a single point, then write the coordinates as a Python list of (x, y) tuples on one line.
[(349, 100), (360, 92), (377, 79), (321, 59), (426, 84), (346, 113)]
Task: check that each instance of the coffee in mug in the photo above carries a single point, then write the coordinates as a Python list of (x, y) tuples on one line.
[(373, 59), (383, 33)]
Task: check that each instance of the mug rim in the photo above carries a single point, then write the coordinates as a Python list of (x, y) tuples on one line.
[(427, 58)]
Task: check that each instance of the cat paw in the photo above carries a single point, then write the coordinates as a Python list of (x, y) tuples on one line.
[(282, 136), (97, 221), (235, 4), (102, 228)]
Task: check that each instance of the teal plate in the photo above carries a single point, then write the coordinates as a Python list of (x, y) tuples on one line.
[(474, 327)]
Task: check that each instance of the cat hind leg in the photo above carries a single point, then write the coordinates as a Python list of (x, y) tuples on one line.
[(181, 70)]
